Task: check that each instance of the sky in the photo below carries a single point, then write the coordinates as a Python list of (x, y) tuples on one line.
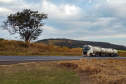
[(87, 20)]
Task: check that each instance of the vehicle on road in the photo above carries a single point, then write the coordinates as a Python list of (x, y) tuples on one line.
[(95, 51)]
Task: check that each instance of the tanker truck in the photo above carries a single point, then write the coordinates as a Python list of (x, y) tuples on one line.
[(95, 51)]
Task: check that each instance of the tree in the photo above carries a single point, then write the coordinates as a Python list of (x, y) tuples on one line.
[(27, 23)]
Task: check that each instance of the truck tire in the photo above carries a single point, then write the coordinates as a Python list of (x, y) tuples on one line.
[(96, 54), (91, 55)]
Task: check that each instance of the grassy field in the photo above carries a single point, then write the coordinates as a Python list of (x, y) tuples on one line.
[(36, 73), (103, 71), (121, 51)]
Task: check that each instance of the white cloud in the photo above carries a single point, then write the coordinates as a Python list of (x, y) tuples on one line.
[(69, 10), (12, 3), (50, 30), (8, 7), (110, 36), (61, 12), (4, 11), (7, 1), (89, 1), (113, 7), (6, 35)]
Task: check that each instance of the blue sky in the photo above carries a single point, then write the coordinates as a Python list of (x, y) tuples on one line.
[(90, 20)]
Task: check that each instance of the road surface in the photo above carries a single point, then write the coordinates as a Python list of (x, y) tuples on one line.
[(22, 59)]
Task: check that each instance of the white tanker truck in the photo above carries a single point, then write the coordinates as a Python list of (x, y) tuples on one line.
[(93, 51)]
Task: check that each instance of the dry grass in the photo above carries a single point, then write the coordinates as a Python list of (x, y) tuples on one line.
[(103, 71), (22, 48), (122, 54)]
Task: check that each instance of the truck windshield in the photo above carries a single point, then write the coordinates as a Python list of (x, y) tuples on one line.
[(86, 48)]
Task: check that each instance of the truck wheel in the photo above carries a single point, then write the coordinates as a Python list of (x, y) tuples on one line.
[(96, 55), (91, 55), (106, 55)]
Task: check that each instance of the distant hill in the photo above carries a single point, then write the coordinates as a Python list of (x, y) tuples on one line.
[(77, 43)]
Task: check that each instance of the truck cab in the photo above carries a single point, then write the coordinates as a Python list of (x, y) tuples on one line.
[(86, 49)]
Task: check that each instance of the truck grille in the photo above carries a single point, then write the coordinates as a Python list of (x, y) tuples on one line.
[(85, 53)]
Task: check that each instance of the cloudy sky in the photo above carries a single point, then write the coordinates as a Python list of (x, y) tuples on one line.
[(90, 20)]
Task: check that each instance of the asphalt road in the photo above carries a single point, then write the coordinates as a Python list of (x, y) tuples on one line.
[(5, 60)]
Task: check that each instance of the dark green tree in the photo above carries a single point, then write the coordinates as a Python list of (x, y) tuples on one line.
[(27, 23)]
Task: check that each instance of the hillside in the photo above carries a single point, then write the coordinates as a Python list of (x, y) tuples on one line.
[(77, 43)]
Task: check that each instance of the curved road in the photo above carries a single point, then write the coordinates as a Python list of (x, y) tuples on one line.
[(22, 59)]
